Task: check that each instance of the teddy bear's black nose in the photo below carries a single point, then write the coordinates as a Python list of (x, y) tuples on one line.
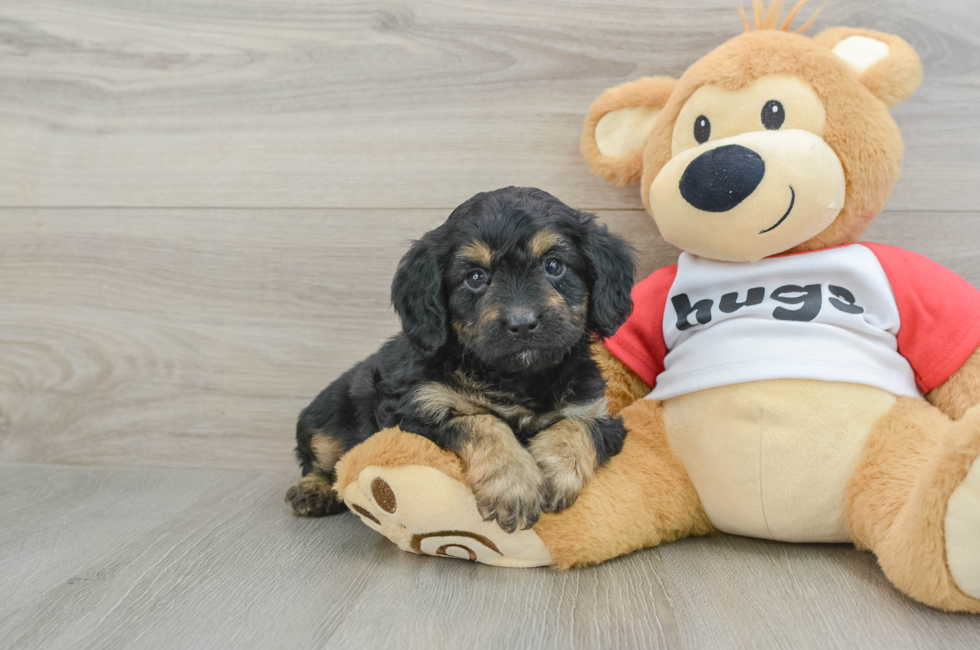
[(720, 179)]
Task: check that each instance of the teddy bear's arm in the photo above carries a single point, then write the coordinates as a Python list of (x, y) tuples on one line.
[(623, 386), (961, 391)]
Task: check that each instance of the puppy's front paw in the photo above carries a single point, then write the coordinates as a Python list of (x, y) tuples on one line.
[(563, 488), (512, 494), (566, 469)]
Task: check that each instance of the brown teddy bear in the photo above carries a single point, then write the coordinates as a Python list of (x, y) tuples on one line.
[(781, 380)]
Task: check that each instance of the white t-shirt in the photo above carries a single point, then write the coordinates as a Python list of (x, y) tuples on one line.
[(835, 315)]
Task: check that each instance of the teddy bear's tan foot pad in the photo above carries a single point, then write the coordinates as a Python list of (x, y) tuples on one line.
[(963, 533), (424, 511)]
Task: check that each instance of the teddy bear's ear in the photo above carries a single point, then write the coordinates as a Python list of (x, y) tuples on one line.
[(617, 128), (885, 64)]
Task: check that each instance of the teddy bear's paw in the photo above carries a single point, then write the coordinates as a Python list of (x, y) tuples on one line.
[(424, 511), (962, 524)]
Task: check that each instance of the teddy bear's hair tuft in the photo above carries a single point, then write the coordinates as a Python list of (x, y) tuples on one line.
[(768, 19)]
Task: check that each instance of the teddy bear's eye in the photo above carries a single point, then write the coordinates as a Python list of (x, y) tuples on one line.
[(773, 115), (702, 129)]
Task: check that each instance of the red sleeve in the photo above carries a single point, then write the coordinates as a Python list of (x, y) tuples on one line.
[(639, 343), (939, 312)]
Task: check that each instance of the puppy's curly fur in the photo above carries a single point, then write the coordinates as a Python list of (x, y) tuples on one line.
[(499, 306)]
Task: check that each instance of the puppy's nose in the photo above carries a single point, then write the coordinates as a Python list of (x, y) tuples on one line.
[(522, 323), (720, 179)]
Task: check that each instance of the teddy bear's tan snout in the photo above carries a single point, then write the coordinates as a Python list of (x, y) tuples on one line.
[(748, 196)]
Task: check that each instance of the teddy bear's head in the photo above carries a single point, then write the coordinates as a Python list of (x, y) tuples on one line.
[(774, 142)]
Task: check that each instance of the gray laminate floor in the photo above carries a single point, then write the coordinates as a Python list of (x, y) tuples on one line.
[(202, 203), (169, 558)]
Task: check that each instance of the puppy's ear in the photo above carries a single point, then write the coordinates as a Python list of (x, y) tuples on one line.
[(417, 295), (612, 281)]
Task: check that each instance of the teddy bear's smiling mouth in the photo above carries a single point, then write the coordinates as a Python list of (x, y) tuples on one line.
[(792, 201)]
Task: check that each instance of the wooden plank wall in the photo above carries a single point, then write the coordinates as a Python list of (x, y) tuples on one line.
[(202, 202)]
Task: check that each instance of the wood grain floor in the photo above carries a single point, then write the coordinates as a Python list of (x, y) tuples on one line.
[(107, 558), (201, 206)]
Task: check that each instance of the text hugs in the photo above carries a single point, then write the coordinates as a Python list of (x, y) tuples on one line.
[(789, 302)]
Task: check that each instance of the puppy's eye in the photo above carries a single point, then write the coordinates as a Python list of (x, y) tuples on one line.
[(702, 129), (476, 279), (773, 115), (554, 268)]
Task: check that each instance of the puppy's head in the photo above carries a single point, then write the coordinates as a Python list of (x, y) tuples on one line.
[(516, 278)]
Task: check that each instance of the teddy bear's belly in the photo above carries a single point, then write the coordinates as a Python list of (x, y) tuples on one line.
[(772, 458)]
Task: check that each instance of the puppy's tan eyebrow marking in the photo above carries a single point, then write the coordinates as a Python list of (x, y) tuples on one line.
[(477, 252), (543, 242)]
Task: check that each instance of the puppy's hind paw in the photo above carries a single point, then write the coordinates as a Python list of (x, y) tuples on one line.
[(313, 496)]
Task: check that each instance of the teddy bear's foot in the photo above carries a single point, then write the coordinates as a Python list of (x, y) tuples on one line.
[(962, 522), (424, 511), (914, 500)]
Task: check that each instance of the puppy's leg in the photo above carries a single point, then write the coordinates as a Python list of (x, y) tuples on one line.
[(565, 453), (326, 429), (319, 452), (570, 451), (505, 479)]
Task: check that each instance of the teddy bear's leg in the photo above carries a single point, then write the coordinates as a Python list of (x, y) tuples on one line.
[(914, 500), (414, 493)]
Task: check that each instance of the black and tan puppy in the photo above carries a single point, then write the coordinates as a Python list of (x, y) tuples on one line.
[(499, 307)]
